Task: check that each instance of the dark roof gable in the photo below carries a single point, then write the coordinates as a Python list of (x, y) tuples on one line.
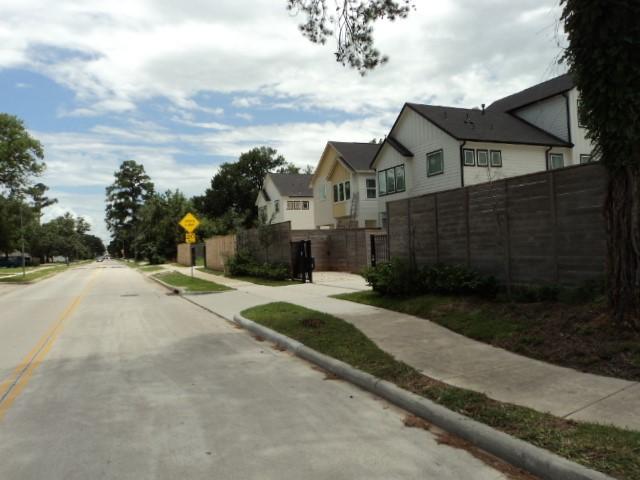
[(538, 92), (487, 126), (357, 156), (292, 184)]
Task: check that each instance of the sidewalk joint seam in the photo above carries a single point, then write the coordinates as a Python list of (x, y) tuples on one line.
[(635, 384)]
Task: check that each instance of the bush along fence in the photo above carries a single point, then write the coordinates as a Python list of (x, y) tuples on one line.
[(542, 228), (344, 250)]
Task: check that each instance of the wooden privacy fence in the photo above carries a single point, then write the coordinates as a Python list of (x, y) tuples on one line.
[(218, 249), (545, 227), (344, 250)]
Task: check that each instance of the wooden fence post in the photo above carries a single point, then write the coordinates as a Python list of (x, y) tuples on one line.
[(467, 233), (437, 234), (554, 224)]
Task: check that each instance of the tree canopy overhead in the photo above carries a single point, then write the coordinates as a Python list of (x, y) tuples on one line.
[(351, 21)]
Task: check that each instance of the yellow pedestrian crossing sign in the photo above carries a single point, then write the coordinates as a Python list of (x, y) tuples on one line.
[(189, 222), (190, 237)]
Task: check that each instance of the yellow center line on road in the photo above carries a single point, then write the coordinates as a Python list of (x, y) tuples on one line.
[(11, 388)]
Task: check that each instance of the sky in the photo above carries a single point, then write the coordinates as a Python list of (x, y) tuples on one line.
[(183, 86)]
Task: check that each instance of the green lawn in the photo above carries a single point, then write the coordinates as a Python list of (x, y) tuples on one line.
[(257, 280), (29, 277), (571, 335), (11, 270), (608, 449), (179, 280)]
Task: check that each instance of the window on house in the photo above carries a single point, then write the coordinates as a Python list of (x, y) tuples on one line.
[(276, 205), (469, 156), (382, 183), (582, 120), (584, 158), (556, 160), (482, 158), (391, 180), (341, 190), (399, 171), (323, 191), (496, 158), (435, 163), (335, 193), (297, 205), (371, 188), (347, 190)]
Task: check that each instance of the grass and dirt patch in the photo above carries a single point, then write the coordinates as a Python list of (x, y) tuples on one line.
[(190, 284), (248, 278), (571, 335), (608, 449), (34, 275)]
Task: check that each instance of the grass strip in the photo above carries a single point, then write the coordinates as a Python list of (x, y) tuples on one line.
[(151, 268), (30, 277), (179, 280), (257, 280), (608, 449)]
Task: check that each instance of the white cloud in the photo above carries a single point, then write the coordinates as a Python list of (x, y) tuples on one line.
[(175, 50)]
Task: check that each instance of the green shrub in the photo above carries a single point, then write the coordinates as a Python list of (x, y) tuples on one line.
[(244, 264), (398, 278), (394, 278)]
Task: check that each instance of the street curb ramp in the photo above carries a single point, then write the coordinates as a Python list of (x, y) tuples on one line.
[(528, 457)]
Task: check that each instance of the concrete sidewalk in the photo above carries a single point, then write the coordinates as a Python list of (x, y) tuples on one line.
[(444, 355)]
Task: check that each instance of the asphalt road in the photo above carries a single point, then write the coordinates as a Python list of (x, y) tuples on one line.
[(103, 375)]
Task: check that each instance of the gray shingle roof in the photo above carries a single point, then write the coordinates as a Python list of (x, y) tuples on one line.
[(543, 90), (490, 126), (401, 149), (292, 184), (358, 156)]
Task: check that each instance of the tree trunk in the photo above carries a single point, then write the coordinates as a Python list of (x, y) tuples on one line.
[(622, 215)]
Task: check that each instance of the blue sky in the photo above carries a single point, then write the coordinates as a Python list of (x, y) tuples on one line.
[(182, 87)]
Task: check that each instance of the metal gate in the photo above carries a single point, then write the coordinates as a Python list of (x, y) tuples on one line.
[(302, 262), (379, 249)]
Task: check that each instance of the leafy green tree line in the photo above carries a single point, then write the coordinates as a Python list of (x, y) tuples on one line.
[(22, 202), (144, 223)]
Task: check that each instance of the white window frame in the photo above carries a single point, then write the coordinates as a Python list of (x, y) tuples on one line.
[(499, 155), (371, 188), (297, 204), (431, 155), (551, 158), (382, 183), (465, 161), (404, 178), (485, 153), (347, 190)]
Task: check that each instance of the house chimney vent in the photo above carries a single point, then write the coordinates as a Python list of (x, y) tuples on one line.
[(483, 108)]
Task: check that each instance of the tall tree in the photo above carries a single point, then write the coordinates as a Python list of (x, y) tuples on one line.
[(604, 56), (39, 199), (125, 196), (235, 186), (351, 21), (20, 155), (160, 233)]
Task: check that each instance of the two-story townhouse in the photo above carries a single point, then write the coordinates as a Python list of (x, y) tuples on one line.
[(433, 148), (344, 186), (287, 197)]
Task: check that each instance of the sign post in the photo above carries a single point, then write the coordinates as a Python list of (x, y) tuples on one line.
[(189, 222)]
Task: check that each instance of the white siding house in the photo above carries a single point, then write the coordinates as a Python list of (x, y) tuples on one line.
[(434, 148), (287, 197), (344, 186)]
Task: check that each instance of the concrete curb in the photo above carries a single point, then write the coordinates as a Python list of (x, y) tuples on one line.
[(175, 290), (533, 459)]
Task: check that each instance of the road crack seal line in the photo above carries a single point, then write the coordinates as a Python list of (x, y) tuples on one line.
[(17, 381)]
